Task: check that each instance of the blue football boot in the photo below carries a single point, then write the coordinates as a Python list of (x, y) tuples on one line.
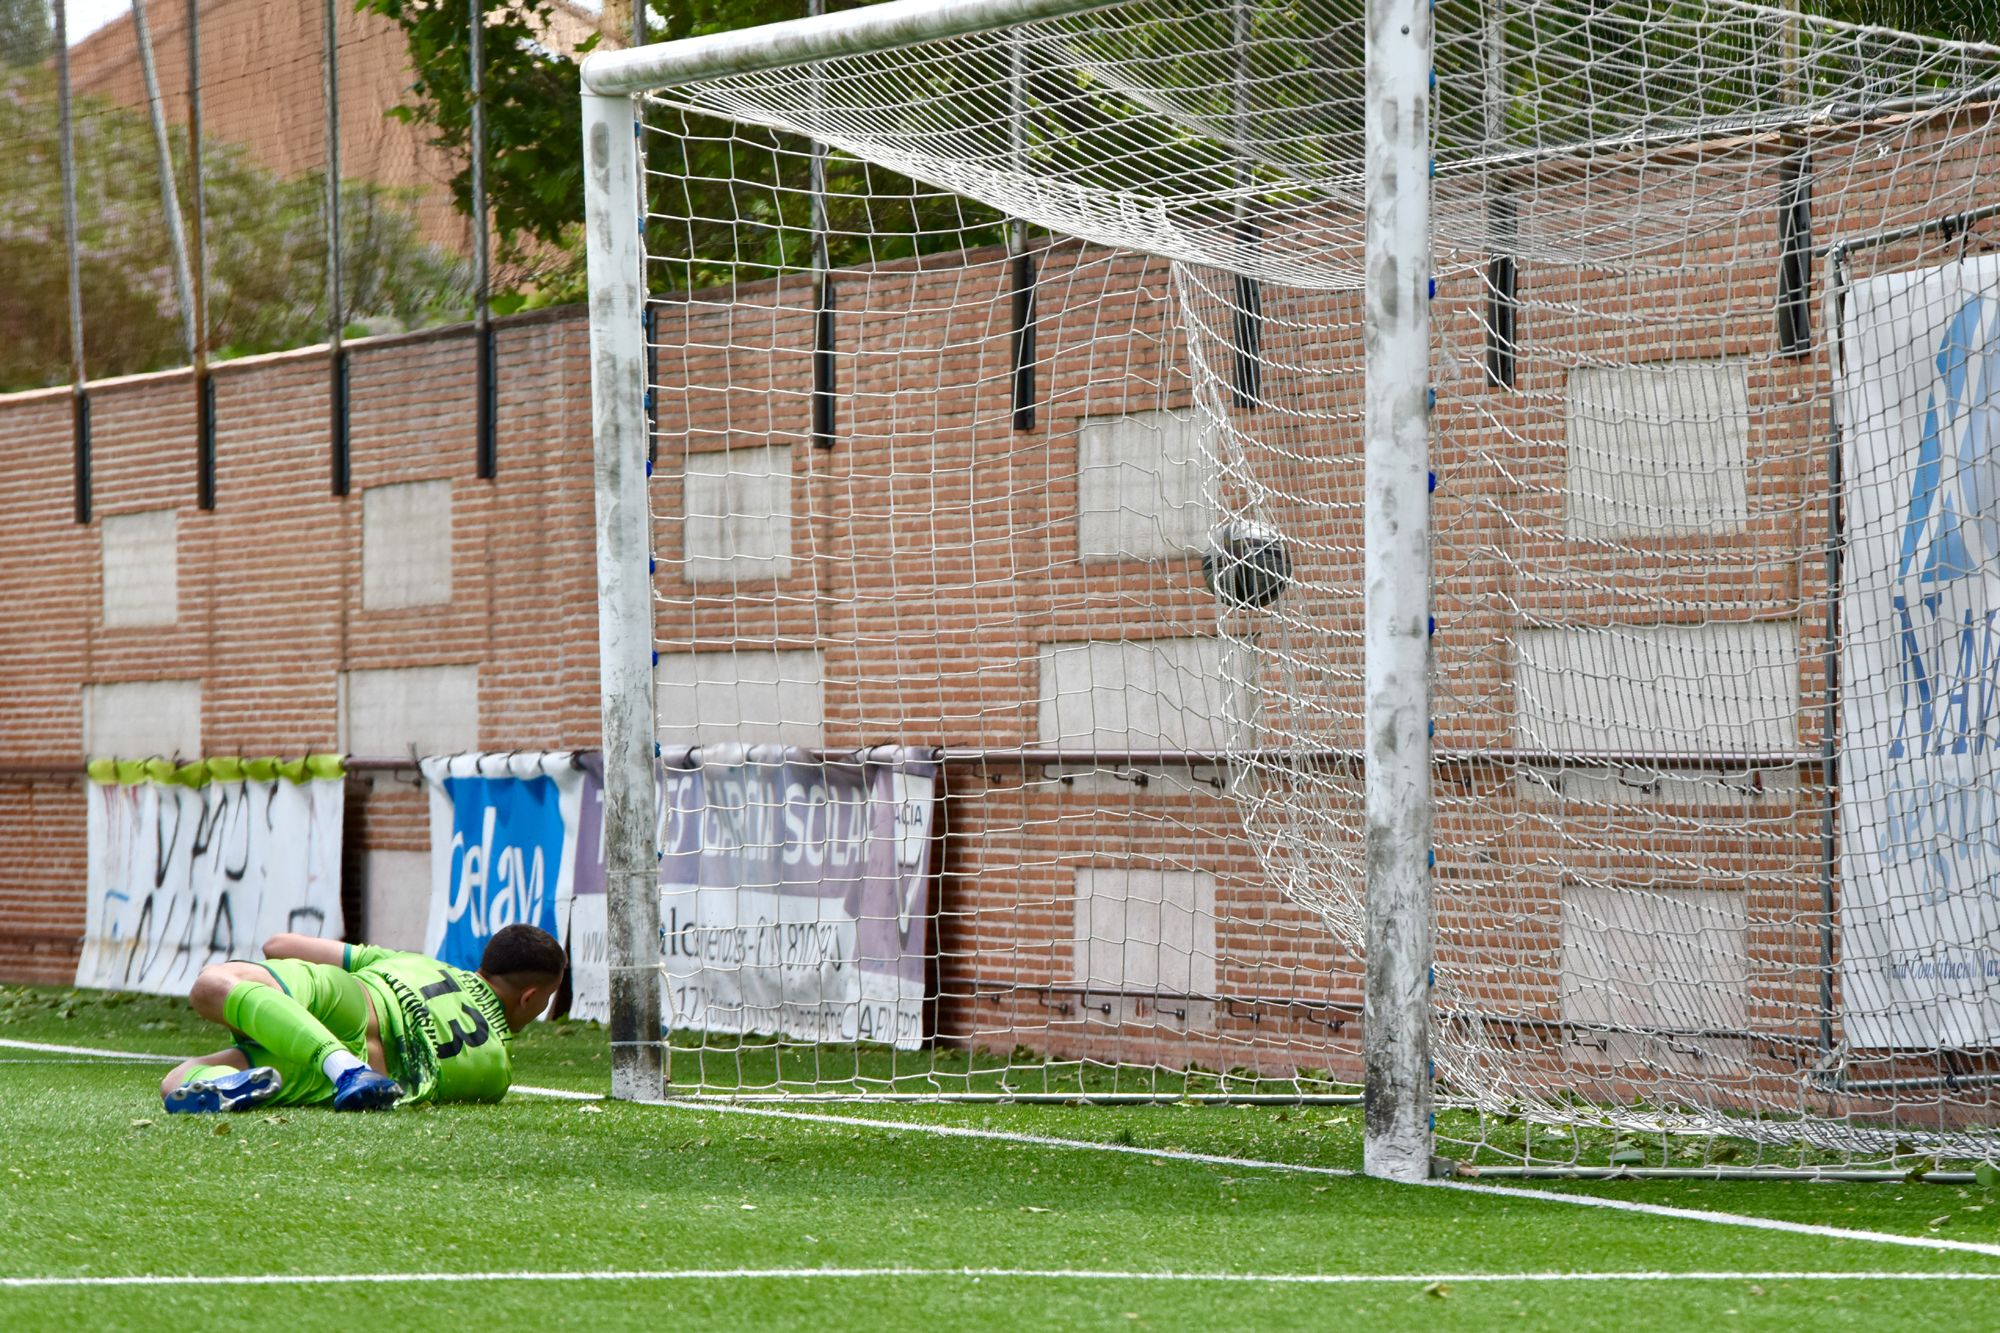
[(362, 1089), (240, 1091)]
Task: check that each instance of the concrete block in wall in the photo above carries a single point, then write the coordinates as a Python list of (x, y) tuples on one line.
[(141, 569), (406, 545), (1139, 694), (1140, 483), (737, 506), (1731, 686), (1657, 450), (386, 712), (1655, 960), (1145, 940), (397, 899), (137, 719), (750, 697)]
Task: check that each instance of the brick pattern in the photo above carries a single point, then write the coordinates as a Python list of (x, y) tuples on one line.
[(270, 581)]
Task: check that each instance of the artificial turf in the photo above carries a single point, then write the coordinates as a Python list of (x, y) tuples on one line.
[(96, 1181)]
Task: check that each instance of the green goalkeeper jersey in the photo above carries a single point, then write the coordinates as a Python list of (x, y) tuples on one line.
[(444, 1033)]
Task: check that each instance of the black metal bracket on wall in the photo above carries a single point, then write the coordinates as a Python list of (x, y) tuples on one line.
[(338, 422), (1503, 297), (823, 383), (1795, 250), (204, 439), (1023, 349), (79, 432), (487, 387)]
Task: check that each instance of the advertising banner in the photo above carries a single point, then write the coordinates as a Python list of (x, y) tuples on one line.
[(203, 862), (795, 892), (1919, 906), (589, 977), (504, 836)]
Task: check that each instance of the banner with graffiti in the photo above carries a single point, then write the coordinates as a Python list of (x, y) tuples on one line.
[(1919, 886), (504, 832), (203, 862), (795, 892)]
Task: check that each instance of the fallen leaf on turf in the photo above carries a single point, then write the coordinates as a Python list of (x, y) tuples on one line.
[(1937, 1222), (1030, 1208), (1437, 1289), (587, 1109), (140, 1124), (222, 1128), (1756, 1290), (749, 1207)]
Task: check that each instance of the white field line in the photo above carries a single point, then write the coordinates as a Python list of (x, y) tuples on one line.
[(88, 1050), (1730, 1219), (1028, 1274), (1749, 1221), (1252, 1164)]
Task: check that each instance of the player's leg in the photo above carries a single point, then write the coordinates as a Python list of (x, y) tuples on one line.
[(225, 1081), (228, 1060), (311, 1019)]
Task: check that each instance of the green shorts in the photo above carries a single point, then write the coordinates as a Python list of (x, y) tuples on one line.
[(336, 999)]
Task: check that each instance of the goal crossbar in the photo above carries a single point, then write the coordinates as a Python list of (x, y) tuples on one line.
[(851, 32)]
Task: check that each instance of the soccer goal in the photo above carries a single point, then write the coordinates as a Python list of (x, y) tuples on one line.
[(1251, 549)]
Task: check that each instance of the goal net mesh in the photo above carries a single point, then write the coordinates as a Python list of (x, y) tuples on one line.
[(1008, 485)]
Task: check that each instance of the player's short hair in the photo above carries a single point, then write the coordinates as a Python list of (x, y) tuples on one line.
[(523, 952)]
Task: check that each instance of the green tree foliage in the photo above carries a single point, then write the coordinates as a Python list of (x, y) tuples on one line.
[(534, 127), (26, 33), (534, 136), (266, 247)]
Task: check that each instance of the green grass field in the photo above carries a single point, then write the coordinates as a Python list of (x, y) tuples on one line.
[(730, 1219)]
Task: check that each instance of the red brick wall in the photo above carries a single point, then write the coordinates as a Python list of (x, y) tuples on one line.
[(270, 581)]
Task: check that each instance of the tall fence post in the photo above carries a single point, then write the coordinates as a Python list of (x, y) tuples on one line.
[(79, 388)]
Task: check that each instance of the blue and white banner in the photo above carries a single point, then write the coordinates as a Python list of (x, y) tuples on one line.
[(1919, 910), (202, 869), (504, 835)]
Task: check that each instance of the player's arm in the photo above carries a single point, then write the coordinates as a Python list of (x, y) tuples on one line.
[(307, 949)]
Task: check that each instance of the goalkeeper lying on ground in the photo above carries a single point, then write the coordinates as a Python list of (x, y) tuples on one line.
[(363, 1027)]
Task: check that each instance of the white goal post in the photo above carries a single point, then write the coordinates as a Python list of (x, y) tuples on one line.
[(1398, 451), (1355, 550)]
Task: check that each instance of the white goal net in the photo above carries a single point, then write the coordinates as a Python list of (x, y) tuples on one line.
[(1004, 406)]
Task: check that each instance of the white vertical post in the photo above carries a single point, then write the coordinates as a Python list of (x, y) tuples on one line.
[(624, 589), (170, 202), (485, 446), (1396, 528), (79, 386)]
